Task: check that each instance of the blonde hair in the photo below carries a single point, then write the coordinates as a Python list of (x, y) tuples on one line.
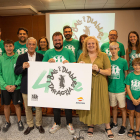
[(85, 51), (113, 44)]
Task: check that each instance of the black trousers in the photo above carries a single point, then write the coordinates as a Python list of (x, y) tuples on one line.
[(57, 113)]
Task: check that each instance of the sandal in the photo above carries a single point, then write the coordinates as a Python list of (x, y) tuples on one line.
[(109, 136), (90, 134), (132, 133), (137, 135)]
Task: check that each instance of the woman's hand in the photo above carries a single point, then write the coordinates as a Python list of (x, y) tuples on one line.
[(95, 67)]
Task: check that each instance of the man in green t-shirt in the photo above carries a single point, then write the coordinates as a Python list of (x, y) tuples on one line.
[(64, 55), (20, 46), (113, 35), (2, 50), (69, 42), (116, 86)]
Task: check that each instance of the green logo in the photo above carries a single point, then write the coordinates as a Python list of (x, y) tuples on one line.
[(77, 86)]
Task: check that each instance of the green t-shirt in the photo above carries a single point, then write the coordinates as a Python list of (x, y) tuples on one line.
[(20, 49), (117, 77), (105, 48), (134, 81), (42, 52), (73, 45), (132, 56), (2, 50), (64, 54), (78, 54)]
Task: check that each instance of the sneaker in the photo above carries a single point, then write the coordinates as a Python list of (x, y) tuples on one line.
[(55, 128), (113, 125), (20, 126), (122, 131), (6, 127), (70, 128)]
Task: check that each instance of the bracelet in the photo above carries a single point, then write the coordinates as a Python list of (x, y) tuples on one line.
[(99, 71)]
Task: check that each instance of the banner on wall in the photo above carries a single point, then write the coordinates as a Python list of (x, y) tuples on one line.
[(59, 85)]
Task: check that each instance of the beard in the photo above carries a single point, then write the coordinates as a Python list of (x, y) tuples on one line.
[(58, 48), (22, 41), (68, 36)]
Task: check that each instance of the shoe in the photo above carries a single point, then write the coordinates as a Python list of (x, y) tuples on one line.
[(122, 131), (6, 127), (90, 134), (20, 126), (137, 134), (28, 130), (113, 125), (70, 129), (41, 129), (54, 128), (110, 135), (131, 132)]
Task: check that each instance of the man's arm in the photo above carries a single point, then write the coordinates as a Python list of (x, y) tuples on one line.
[(19, 66)]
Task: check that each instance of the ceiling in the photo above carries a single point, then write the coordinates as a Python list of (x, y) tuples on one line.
[(23, 7)]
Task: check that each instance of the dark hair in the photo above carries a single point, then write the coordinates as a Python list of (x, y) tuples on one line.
[(137, 43), (46, 41), (22, 28), (136, 61), (113, 30), (0, 29), (85, 36), (67, 27), (57, 34), (8, 41)]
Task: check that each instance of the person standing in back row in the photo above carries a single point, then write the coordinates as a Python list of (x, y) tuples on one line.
[(113, 35), (69, 42)]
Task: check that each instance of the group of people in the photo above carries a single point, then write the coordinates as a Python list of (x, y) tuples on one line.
[(114, 79)]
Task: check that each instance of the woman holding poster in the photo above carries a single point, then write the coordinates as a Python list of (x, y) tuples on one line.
[(99, 112)]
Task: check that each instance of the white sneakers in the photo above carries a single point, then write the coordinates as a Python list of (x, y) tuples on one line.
[(70, 129), (56, 127)]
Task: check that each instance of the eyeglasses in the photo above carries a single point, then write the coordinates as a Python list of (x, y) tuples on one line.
[(112, 35)]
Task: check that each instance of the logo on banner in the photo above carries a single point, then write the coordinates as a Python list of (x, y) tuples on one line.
[(80, 100), (61, 81), (34, 97)]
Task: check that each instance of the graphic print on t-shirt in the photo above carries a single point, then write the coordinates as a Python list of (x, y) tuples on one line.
[(115, 72), (107, 51), (59, 58), (135, 56), (71, 47), (135, 85), (21, 50)]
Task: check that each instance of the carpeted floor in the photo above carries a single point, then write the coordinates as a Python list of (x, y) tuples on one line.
[(62, 134)]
